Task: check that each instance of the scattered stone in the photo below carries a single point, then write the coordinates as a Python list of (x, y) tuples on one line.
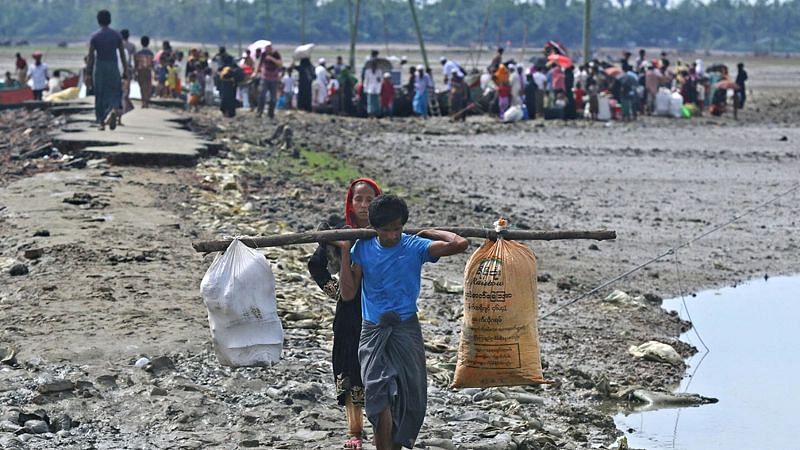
[(55, 386), (9, 426), (37, 426), (107, 381), (250, 443), (11, 443), (42, 233), (62, 423), (526, 398), (653, 298), (567, 284), (446, 444), (446, 286), (18, 269), (544, 277), (8, 356), (157, 391), (594, 247), (309, 435), (34, 253), (79, 198), (159, 365)]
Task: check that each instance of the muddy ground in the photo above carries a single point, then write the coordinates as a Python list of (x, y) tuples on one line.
[(117, 280)]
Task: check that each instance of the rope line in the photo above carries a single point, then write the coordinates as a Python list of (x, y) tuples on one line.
[(672, 250), (683, 301)]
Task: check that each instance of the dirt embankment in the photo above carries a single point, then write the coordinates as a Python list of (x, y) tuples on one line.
[(116, 279)]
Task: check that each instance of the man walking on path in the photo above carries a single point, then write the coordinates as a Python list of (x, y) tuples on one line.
[(130, 51), (144, 71), (102, 73)]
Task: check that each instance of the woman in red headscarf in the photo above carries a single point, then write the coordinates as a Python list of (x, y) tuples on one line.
[(325, 263)]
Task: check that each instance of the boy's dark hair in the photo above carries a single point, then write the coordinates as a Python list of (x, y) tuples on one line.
[(56, 73), (103, 18), (385, 209), (145, 41), (125, 33)]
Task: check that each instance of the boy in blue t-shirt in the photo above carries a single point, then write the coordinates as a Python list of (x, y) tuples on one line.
[(391, 351)]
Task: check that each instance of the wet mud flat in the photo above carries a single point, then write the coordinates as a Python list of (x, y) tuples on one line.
[(104, 293)]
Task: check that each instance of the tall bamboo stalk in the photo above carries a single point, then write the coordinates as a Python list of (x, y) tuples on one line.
[(419, 33), (302, 21), (353, 31), (239, 25), (587, 14)]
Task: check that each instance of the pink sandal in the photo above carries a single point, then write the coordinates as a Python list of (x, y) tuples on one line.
[(354, 443)]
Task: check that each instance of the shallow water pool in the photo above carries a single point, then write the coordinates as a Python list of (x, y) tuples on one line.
[(753, 332)]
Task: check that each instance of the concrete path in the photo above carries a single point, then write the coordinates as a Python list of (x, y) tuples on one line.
[(148, 136)]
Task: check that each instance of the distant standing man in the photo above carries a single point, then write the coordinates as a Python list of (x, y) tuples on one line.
[(22, 70), (103, 73), (144, 71), (130, 51), (38, 75), (270, 66), (741, 79), (496, 60)]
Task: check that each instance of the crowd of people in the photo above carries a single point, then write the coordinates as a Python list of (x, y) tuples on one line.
[(549, 86)]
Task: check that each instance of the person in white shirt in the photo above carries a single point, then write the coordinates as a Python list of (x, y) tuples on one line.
[(287, 83), (486, 78), (516, 85), (321, 73), (37, 73), (541, 82), (372, 88), (54, 83), (450, 68)]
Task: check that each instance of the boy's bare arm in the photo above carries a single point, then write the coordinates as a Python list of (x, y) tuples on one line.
[(349, 275), (444, 243)]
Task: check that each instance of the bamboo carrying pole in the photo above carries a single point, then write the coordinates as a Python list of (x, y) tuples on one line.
[(365, 233)]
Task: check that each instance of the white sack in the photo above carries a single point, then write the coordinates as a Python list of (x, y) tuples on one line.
[(239, 292)]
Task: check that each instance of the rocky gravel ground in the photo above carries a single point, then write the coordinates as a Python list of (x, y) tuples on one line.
[(105, 341)]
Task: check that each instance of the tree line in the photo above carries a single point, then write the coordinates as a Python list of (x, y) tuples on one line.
[(760, 26)]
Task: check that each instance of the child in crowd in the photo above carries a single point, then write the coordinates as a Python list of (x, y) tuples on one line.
[(161, 76), (54, 83), (171, 83), (391, 350), (594, 101), (208, 97), (195, 92), (578, 92), (387, 95), (287, 88)]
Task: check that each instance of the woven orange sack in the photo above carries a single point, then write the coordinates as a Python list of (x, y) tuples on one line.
[(500, 339)]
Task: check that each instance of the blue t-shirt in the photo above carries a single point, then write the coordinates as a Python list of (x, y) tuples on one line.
[(106, 42), (391, 276)]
